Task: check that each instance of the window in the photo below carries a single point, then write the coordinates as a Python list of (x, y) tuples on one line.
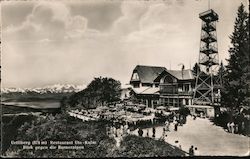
[(186, 87), (155, 102), (168, 79), (135, 76), (136, 85)]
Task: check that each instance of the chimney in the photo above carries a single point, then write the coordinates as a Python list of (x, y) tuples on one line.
[(182, 71)]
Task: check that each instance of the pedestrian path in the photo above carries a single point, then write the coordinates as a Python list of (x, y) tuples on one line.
[(208, 138)]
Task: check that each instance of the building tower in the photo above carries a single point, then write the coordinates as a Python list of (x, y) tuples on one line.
[(208, 82)]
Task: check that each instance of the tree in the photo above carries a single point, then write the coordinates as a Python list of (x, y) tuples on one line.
[(221, 72), (235, 84), (99, 92), (221, 77)]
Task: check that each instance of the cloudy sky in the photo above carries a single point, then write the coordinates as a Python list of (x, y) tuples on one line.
[(49, 42)]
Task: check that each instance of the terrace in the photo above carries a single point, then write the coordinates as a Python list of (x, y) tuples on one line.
[(132, 115)]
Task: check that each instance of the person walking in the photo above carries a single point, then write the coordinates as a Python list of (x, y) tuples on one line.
[(191, 151)]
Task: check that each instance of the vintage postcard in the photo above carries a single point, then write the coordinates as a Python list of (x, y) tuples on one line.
[(124, 78)]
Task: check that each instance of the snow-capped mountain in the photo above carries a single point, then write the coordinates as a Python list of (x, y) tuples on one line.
[(57, 88)]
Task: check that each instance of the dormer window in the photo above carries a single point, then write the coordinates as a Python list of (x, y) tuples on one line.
[(135, 76), (168, 79)]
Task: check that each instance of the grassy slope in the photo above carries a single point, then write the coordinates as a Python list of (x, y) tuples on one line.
[(132, 146), (10, 127), (136, 146)]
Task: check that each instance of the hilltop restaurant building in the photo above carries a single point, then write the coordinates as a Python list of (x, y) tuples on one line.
[(155, 86)]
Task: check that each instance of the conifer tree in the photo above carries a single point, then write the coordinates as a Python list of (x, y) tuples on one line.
[(235, 85)]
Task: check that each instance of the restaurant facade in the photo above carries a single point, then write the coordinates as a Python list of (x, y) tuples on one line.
[(155, 86)]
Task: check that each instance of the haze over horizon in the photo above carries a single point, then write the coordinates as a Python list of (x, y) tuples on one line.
[(50, 42)]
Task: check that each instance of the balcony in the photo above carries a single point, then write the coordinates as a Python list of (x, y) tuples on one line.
[(173, 90), (209, 16), (168, 89), (185, 93)]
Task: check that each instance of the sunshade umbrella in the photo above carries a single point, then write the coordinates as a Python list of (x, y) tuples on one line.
[(161, 108)]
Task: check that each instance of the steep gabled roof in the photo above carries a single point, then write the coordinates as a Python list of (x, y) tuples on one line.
[(182, 74), (178, 74), (147, 74)]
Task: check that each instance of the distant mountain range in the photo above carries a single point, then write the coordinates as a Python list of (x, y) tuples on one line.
[(57, 88)]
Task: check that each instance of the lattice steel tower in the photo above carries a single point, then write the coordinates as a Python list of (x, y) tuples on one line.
[(208, 82)]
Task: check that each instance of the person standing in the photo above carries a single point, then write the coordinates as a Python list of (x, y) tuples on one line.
[(243, 127), (153, 132), (191, 151), (196, 152), (126, 129), (167, 125), (228, 127), (232, 127), (147, 132), (175, 125), (168, 129), (140, 132), (236, 128), (163, 134)]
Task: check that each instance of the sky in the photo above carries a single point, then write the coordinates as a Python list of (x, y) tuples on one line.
[(71, 42)]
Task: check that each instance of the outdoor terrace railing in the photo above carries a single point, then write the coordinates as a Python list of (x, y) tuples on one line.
[(209, 14), (185, 93)]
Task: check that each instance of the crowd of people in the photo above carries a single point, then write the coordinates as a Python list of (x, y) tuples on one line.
[(237, 126), (118, 132), (175, 122), (236, 121)]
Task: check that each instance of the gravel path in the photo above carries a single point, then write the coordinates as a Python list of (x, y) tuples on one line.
[(210, 140)]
